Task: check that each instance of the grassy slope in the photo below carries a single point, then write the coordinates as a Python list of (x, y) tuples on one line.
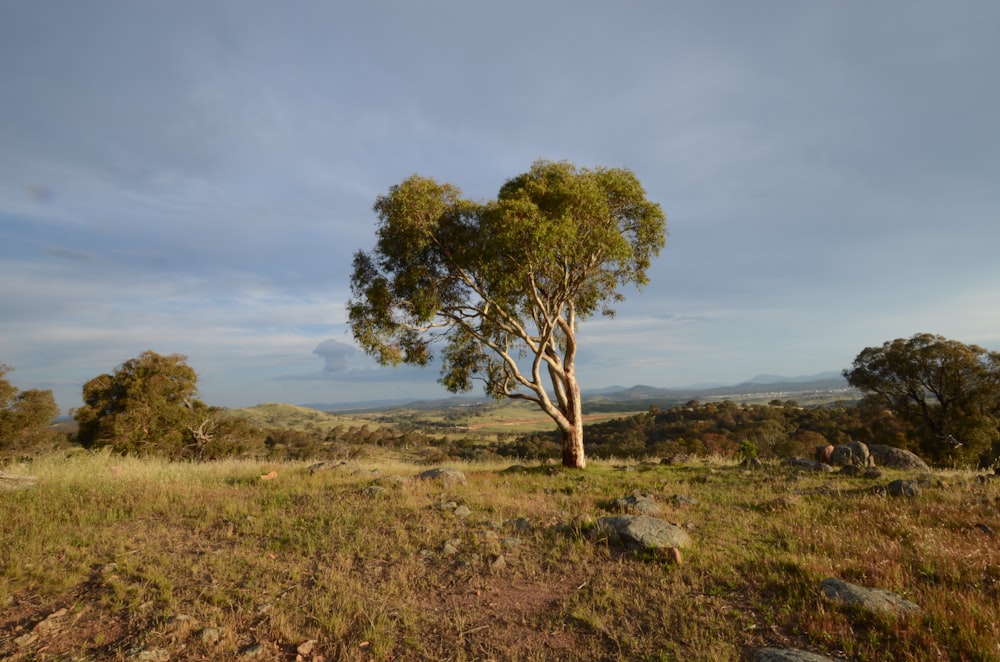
[(146, 554)]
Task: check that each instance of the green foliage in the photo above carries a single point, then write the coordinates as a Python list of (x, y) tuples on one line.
[(146, 406), (503, 283), (939, 393), (25, 417)]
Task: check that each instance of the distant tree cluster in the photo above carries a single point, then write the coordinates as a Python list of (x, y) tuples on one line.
[(25, 418), (778, 429)]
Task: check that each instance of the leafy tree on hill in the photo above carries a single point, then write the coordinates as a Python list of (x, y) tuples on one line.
[(944, 394), (25, 416), (147, 405), (503, 284)]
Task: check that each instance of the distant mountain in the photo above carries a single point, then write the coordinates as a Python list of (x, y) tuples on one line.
[(764, 386)]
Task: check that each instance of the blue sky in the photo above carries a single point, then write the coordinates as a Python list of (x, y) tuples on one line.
[(194, 177)]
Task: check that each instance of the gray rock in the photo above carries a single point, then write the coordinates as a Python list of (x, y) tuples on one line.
[(638, 503), (806, 463), (683, 500), (852, 453), (788, 655), (872, 599), (149, 655), (645, 532), (903, 488), (209, 635), (446, 476), (851, 470), (896, 458), (463, 511), (253, 650), (373, 491)]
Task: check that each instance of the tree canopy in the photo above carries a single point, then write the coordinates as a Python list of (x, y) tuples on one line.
[(946, 393), (502, 284), (146, 405), (25, 416)]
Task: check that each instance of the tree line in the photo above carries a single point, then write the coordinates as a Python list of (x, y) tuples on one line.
[(934, 396)]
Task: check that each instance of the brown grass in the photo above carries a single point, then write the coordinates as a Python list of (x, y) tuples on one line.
[(205, 561)]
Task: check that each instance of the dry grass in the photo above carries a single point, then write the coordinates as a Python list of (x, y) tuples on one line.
[(149, 555)]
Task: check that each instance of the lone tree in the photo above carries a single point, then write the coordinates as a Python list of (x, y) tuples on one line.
[(502, 284), (946, 393)]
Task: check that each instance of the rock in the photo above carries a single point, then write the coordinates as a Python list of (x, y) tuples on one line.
[(853, 452), (209, 635), (149, 655), (334, 466), (823, 453), (394, 480), (788, 655), (521, 525), (446, 476), (52, 622), (645, 532), (12, 482), (306, 647), (872, 473), (903, 488), (896, 458), (497, 563), (851, 470), (253, 650), (683, 500), (463, 511), (806, 463), (872, 599), (373, 491), (638, 503), (450, 546)]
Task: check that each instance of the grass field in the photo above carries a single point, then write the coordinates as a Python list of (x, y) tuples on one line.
[(110, 558)]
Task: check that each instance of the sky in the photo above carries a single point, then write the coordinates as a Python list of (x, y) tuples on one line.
[(194, 177)]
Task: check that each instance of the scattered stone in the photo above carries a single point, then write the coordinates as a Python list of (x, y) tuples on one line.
[(306, 647), (644, 532), (683, 500), (12, 482), (51, 622), (872, 473), (807, 464), (521, 525), (446, 505), (446, 476), (450, 546), (209, 635), (373, 491), (903, 488), (253, 650), (638, 503), (851, 470), (872, 599), (511, 543), (350, 467), (896, 458), (788, 655), (463, 511), (25, 639), (497, 563), (394, 480), (149, 655)]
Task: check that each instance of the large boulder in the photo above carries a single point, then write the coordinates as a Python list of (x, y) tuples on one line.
[(642, 532), (896, 458), (788, 655), (853, 453), (444, 476)]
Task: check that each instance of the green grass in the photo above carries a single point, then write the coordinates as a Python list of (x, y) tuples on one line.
[(145, 554)]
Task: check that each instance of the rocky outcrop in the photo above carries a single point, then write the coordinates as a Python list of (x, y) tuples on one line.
[(896, 458)]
